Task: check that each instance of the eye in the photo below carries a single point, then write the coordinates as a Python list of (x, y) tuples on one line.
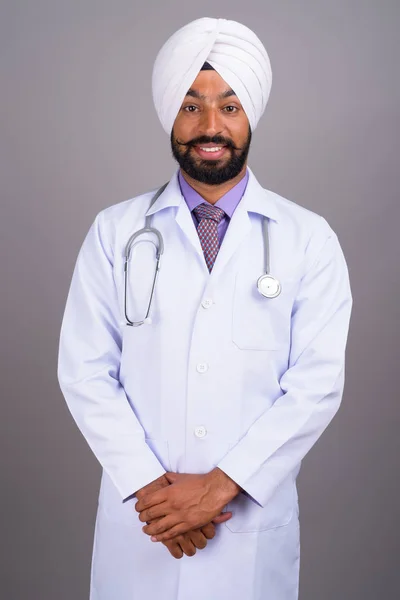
[(230, 109), (190, 108)]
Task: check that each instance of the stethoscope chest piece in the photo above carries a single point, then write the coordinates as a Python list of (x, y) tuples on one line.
[(268, 286)]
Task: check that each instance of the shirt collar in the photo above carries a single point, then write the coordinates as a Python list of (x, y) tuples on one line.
[(255, 197), (228, 202)]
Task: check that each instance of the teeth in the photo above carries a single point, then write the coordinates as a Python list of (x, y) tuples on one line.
[(215, 149)]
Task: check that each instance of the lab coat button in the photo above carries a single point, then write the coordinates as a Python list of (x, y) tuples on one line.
[(202, 367), (200, 431), (207, 302)]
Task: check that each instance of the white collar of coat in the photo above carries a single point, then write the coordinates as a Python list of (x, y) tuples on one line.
[(255, 198)]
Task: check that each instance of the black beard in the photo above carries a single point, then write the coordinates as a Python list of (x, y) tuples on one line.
[(208, 171)]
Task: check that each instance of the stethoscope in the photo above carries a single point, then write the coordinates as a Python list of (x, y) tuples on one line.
[(267, 285)]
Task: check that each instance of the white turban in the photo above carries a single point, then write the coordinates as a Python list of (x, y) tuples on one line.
[(231, 48)]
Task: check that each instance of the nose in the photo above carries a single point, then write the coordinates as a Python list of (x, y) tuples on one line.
[(211, 123)]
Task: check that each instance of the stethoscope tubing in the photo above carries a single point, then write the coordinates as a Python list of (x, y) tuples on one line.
[(267, 277)]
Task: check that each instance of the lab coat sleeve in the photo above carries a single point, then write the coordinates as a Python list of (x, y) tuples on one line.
[(312, 386), (88, 369)]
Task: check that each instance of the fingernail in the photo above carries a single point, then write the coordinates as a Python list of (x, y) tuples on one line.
[(153, 538)]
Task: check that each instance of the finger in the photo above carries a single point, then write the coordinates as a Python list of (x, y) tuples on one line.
[(149, 514), (174, 548), (222, 518), (178, 529), (197, 538), (162, 525), (152, 499), (187, 544), (208, 531)]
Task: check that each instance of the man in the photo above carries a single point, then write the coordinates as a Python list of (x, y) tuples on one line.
[(201, 415)]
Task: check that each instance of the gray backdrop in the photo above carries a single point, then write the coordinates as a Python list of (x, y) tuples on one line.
[(79, 133)]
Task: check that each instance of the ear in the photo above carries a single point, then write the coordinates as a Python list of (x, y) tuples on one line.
[(172, 477)]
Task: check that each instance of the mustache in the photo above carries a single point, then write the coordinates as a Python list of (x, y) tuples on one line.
[(203, 139)]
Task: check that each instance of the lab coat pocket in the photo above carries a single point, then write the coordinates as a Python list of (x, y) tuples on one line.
[(110, 500), (258, 323), (248, 516)]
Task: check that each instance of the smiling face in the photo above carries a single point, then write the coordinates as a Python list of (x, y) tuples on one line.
[(211, 135)]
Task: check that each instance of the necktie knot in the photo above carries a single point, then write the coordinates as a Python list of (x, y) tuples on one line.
[(209, 211)]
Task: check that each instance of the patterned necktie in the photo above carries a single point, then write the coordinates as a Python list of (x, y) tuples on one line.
[(209, 217)]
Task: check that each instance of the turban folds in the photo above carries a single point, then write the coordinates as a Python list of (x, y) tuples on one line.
[(235, 52)]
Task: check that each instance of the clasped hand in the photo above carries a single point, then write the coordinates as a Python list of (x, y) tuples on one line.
[(188, 503)]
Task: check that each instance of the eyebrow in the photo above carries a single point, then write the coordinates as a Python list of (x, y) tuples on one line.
[(196, 94)]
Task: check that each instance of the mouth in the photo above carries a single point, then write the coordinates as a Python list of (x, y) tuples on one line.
[(210, 151)]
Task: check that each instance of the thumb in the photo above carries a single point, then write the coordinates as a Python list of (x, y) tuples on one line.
[(172, 477), (222, 517)]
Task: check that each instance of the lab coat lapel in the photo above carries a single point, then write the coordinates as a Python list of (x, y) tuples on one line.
[(255, 200), (185, 221), (239, 227), (172, 197)]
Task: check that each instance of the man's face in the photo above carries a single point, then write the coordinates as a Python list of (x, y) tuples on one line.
[(211, 135)]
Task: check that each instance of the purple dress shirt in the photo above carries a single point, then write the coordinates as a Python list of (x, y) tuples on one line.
[(227, 203)]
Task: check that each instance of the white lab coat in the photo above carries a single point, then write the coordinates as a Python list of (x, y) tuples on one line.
[(222, 377)]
